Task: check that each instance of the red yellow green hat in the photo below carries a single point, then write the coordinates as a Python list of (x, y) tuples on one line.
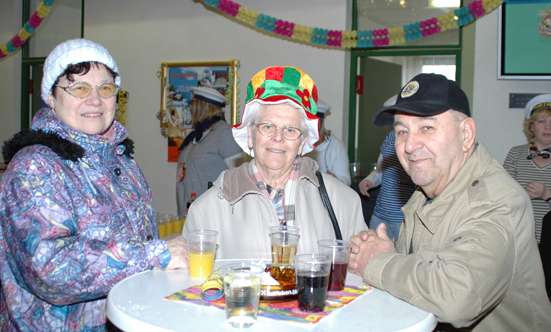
[(280, 85)]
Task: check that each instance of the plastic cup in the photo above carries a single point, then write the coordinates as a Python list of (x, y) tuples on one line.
[(179, 224), (338, 251), (201, 247), (169, 225), (162, 227), (355, 169), (242, 292), (289, 229), (284, 246), (312, 279)]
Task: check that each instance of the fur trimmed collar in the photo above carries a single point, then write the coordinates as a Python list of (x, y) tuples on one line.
[(63, 148)]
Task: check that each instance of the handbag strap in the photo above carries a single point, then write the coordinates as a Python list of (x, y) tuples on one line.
[(328, 207)]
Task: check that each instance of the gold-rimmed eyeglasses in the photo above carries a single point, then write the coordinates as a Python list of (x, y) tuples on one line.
[(269, 130), (81, 90)]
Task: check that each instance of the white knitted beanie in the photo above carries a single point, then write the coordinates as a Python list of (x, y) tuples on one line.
[(72, 52)]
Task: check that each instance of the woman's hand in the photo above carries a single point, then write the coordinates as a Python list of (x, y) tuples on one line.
[(365, 185), (536, 190), (178, 254)]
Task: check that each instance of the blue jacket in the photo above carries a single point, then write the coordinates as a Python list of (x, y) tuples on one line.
[(76, 217)]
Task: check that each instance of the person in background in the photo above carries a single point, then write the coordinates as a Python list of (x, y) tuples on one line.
[(466, 251), (396, 188), (530, 164), (329, 151), (76, 213), (278, 187), (208, 150)]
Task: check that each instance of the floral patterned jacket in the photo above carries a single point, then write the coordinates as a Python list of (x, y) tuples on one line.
[(76, 217)]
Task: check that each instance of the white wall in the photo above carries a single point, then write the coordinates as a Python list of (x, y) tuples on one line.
[(140, 34), (498, 126)]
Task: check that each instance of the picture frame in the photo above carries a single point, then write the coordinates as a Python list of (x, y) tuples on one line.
[(177, 79), (518, 24)]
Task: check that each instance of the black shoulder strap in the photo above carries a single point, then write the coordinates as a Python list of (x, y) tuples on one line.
[(328, 207)]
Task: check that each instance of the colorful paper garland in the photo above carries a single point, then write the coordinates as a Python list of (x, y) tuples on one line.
[(28, 29), (357, 39)]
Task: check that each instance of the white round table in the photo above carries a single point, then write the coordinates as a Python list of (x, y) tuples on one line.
[(137, 303)]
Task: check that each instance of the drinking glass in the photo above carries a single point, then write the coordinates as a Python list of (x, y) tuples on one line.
[(312, 279), (242, 292), (338, 251), (201, 247)]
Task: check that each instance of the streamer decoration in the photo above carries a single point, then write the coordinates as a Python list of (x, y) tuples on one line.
[(28, 29), (341, 39)]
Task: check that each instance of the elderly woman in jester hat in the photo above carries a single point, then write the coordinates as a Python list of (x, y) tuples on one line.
[(76, 214), (277, 187)]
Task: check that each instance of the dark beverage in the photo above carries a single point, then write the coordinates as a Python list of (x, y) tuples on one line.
[(312, 291), (337, 276)]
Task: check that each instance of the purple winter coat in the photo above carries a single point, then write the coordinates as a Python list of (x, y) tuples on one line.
[(76, 217)]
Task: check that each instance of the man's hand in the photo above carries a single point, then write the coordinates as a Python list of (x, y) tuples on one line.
[(536, 189), (365, 185), (366, 245), (178, 254)]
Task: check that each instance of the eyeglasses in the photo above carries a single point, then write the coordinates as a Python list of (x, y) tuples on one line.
[(81, 90), (269, 130)]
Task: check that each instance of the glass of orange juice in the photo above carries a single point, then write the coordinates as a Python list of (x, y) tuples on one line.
[(169, 224), (179, 223), (162, 227), (201, 247)]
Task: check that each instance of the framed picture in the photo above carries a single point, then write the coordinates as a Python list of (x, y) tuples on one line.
[(177, 79), (523, 53)]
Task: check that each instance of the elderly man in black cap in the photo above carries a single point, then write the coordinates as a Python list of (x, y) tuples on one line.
[(466, 250)]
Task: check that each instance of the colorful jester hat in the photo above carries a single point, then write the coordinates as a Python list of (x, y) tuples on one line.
[(280, 85)]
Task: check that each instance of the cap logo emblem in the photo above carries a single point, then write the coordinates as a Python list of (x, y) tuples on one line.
[(410, 89)]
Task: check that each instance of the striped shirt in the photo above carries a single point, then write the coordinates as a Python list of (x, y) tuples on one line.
[(526, 171), (396, 186)]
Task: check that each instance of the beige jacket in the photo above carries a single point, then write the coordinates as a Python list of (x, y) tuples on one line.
[(242, 215), (473, 259)]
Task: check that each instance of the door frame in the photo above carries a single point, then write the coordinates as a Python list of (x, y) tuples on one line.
[(357, 55)]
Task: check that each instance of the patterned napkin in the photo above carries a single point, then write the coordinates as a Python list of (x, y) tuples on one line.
[(287, 311)]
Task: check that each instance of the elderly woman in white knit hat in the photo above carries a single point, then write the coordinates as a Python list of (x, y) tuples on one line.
[(530, 164), (76, 213), (330, 152), (208, 150), (277, 187)]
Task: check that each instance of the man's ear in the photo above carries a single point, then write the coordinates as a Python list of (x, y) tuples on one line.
[(469, 131)]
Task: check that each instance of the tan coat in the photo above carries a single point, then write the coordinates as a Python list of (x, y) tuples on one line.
[(473, 257), (242, 215)]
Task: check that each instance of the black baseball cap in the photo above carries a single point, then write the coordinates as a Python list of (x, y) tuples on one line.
[(425, 95)]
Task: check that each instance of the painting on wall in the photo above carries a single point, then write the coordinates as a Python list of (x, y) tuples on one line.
[(523, 48), (177, 80)]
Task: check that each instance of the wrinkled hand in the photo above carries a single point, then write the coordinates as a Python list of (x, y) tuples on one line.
[(365, 185), (178, 254), (536, 189), (366, 245), (331, 173)]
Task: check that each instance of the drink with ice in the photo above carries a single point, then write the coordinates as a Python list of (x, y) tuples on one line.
[(312, 280), (312, 291)]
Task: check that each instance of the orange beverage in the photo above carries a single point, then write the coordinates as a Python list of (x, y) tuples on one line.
[(169, 227), (200, 263), (162, 229), (179, 224)]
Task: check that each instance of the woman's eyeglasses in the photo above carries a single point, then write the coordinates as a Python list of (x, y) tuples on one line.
[(269, 130), (81, 90)]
